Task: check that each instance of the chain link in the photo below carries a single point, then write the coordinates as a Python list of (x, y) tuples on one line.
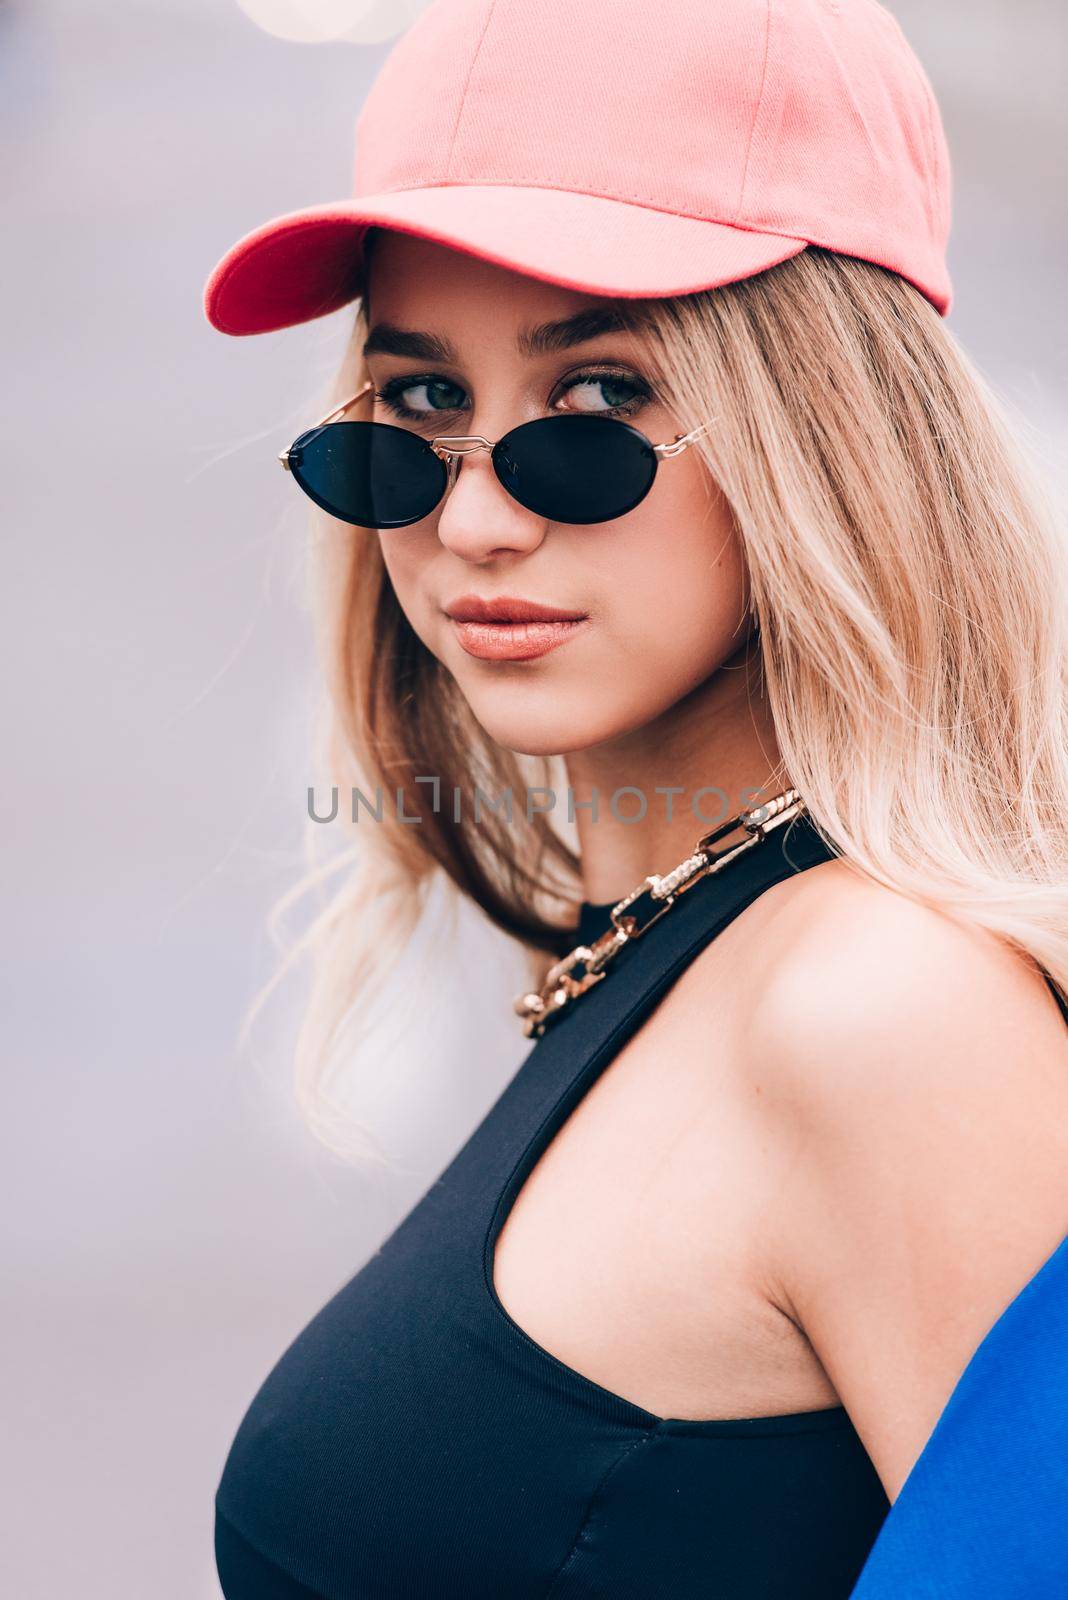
[(568, 979)]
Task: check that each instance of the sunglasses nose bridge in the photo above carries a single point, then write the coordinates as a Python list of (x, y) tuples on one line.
[(453, 448)]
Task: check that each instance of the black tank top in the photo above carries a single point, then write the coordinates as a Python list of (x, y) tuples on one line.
[(413, 1443)]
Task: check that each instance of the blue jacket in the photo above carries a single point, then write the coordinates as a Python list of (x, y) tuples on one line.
[(983, 1514)]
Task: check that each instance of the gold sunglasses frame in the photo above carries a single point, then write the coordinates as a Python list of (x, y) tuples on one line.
[(452, 447)]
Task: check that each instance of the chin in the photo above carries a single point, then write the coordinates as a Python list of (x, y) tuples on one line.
[(541, 722), (537, 737)]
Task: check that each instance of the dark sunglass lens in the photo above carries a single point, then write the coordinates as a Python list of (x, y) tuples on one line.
[(576, 469), (369, 473)]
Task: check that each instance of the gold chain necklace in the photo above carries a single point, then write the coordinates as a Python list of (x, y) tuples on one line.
[(585, 965)]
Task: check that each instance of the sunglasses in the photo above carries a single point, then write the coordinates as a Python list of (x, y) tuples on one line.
[(569, 468)]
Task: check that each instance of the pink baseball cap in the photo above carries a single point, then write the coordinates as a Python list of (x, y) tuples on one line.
[(624, 148)]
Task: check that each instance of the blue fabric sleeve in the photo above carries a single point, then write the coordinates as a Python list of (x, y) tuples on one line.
[(983, 1514)]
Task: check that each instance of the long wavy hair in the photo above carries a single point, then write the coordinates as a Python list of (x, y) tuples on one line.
[(909, 579)]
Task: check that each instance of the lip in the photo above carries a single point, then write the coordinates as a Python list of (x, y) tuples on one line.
[(506, 608), (510, 629), (515, 641)]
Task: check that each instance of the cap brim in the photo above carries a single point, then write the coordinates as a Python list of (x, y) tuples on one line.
[(307, 263)]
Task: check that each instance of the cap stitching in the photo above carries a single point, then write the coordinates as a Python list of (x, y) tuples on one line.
[(467, 84), (301, 224), (934, 165), (564, 188), (921, 82), (756, 113)]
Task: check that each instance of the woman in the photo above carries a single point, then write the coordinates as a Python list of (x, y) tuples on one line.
[(652, 452)]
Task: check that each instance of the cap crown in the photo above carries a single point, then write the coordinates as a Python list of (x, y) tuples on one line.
[(801, 117)]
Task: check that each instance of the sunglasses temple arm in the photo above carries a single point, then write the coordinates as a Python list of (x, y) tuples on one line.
[(283, 455), (344, 406), (683, 442), (695, 433)]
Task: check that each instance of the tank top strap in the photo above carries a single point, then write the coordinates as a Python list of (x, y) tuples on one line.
[(641, 973), (618, 1004)]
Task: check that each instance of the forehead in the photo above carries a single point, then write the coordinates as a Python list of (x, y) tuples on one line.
[(409, 278)]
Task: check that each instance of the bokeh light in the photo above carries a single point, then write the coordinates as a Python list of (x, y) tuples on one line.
[(319, 21)]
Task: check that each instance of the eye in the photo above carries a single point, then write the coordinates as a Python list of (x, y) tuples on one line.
[(422, 395), (414, 397), (605, 393)]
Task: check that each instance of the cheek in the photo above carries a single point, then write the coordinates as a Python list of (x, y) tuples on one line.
[(397, 559), (407, 554), (678, 579)]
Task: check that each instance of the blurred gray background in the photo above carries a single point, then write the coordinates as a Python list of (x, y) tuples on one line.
[(169, 1224)]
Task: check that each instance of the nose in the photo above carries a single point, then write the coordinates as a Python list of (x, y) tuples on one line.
[(479, 519)]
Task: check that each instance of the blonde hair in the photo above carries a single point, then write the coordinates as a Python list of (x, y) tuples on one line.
[(908, 575)]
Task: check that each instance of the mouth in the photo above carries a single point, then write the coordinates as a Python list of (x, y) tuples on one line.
[(511, 629)]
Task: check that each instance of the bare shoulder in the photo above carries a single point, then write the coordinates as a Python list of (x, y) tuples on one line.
[(854, 966), (909, 1075)]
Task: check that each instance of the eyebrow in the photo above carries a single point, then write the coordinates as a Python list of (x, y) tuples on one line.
[(544, 339)]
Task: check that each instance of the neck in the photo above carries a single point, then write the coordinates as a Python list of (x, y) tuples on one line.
[(711, 755)]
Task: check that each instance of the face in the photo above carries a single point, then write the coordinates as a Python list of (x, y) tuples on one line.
[(656, 597)]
